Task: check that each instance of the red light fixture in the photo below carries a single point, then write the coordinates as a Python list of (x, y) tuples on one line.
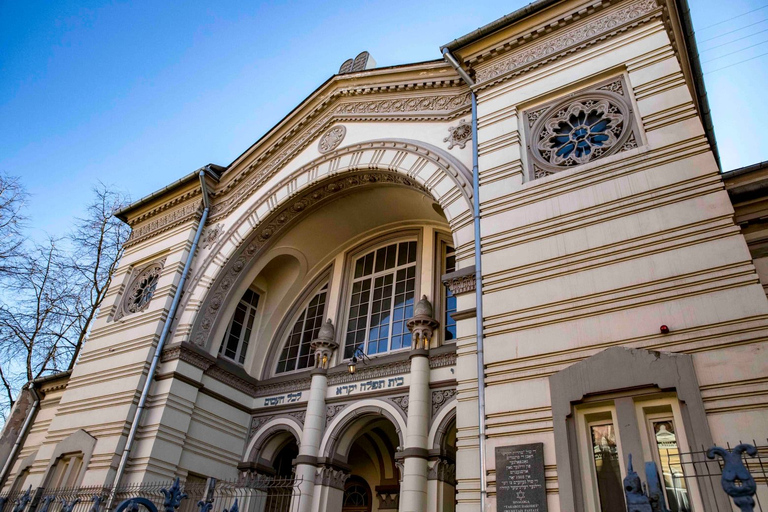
[(664, 329)]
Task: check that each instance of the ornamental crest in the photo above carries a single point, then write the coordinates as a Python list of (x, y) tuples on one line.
[(331, 139)]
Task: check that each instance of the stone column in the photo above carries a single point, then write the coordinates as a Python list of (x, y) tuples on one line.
[(314, 422), (413, 490)]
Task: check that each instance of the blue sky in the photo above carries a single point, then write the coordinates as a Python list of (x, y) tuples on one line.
[(138, 94)]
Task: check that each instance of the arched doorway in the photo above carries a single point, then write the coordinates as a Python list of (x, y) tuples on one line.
[(362, 444), (269, 471)]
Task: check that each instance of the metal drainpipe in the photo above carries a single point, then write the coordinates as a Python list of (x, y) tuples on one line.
[(161, 343), (27, 422), (478, 279)]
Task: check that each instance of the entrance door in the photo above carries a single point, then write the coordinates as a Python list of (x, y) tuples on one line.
[(357, 495)]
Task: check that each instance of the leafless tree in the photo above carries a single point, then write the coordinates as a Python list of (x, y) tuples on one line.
[(12, 201), (97, 243), (51, 299), (35, 322)]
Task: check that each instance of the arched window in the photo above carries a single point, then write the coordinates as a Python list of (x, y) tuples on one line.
[(381, 299), (296, 353), (357, 496), (235, 344)]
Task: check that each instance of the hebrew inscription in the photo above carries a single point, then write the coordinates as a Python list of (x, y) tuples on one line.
[(520, 478)]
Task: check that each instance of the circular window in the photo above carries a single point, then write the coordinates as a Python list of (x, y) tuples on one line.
[(579, 130)]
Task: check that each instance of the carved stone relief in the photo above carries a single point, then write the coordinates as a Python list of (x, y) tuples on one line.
[(580, 128), (402, 403), (459, 135), (331, 139), (163, 223), (211, 236), (331, 411), (440, 398)]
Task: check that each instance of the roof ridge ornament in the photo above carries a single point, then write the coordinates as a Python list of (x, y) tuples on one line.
[(362, 62)]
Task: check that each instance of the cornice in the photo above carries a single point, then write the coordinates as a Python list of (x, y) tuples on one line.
[(574, 32), (159, 224)]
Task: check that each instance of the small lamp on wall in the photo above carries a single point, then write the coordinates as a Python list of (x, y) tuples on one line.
[(358, 355)]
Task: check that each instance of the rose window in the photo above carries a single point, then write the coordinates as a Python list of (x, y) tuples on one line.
[(579, 130), (140, 290), (143, 292)]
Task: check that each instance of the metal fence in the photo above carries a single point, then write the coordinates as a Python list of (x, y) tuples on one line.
[(268, 494), (731, 474), (718, 479)]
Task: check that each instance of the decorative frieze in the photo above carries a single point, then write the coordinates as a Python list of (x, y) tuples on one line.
[(437, 106), (547, 49), (370, 372), (442, 360), (163, 223)]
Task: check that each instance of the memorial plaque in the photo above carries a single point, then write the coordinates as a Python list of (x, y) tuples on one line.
[(520, 478)]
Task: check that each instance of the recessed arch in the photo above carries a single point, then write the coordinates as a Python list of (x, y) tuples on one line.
[(441, 424), (271, 437), (391, 162), (345, 428)]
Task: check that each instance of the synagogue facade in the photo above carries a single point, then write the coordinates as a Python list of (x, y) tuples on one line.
[(543, 202)]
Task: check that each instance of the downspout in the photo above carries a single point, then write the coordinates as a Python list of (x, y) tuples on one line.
[(22, 433), (160, 344), (478, 279)]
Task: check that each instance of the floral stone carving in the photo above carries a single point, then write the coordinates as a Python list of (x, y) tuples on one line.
[(459, 135)]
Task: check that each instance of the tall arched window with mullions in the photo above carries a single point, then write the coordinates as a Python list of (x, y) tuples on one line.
[(381, 299), (235, 344), (296, 353)]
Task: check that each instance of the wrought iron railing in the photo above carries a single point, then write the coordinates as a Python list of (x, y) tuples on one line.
[(268, 494)]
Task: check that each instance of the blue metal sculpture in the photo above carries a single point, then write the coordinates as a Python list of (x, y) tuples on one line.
[(637, 501), (46, 503), (69, 506), (655, 489), (737, 481), (96, 504), (21, 502), (233, 508), (173, 496), (132, 505), (205, 506)]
